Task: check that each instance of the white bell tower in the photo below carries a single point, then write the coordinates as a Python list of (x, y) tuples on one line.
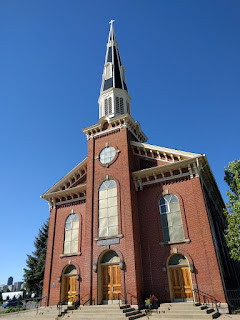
[(114, 99)]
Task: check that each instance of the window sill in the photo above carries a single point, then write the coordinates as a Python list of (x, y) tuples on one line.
[(63, 255), (175, 242), (109, 237)]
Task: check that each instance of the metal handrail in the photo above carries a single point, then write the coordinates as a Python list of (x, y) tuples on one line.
[(84, 297), (91, 300), (206, 298), (63, 300), (37, 300), (132, 296), (125, 299), (60, 303)]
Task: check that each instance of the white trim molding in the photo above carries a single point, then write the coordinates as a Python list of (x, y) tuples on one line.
[(169, 171)]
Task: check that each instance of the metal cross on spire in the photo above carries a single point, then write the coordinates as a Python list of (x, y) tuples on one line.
[(111, 22)]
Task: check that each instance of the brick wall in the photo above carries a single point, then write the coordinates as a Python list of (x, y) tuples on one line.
[(139, 224), (200, 251)]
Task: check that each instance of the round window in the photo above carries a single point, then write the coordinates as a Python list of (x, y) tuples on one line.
[(107, 155)]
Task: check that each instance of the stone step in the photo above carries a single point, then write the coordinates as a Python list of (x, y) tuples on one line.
[(185, 305), (132, 313), (94, 316), (137, 316), (175, 315), (27, 316), (125, 306), (10, 316), (101, 306), (128, 310), (107, 312), (197, 311)]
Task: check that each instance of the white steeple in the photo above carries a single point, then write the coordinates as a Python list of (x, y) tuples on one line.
[(114, 99)]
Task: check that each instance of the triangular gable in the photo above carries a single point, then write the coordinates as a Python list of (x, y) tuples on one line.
[(70, 180)]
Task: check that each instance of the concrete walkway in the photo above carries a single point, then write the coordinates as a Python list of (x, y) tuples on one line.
[(230, 316)]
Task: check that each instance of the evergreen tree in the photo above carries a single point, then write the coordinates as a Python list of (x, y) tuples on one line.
[(34, 273), (232, 177)]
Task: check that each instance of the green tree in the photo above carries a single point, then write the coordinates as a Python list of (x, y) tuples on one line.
[(232, 177), (34, 273)]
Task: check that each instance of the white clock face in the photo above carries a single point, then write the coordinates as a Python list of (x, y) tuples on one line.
[(107, 155)]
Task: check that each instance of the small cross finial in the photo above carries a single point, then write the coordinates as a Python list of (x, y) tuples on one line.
[(111, 22)]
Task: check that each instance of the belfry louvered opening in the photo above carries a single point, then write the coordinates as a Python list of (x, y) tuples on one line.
[(108, 109)]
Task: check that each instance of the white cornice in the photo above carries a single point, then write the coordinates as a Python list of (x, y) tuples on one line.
[(61, 193), (119, 122), (157, 174), (81, 166), (163, 150)]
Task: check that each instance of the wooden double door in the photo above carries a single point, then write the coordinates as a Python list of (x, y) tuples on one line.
[(111, 283), (70, 288), (181, 285)]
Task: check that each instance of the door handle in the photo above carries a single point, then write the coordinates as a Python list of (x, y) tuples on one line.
[(182, 287), (112, 289)]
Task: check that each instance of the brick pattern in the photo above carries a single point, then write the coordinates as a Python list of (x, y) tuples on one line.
[(139, 223)]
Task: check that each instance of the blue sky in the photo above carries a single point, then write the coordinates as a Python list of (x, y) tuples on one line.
[(182, 70)]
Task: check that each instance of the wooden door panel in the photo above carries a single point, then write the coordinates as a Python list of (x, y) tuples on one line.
[(116, 284), (111, 282), (176, 283), (71, 288), (187, 286), (106, 282)]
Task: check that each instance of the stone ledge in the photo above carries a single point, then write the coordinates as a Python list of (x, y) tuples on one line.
[(174, 242), (62, 255), (108, 237)]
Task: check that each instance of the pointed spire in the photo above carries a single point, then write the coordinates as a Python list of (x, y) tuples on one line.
[(114, 72), (113, 79)]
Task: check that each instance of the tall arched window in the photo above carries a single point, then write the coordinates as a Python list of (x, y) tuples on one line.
[(71, 234), (171, 218), (108, 211)]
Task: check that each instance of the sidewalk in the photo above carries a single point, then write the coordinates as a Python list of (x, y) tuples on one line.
[(230, 316)]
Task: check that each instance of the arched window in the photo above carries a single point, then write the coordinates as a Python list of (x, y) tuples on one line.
[(108, 211), (71, 234), (171, 218)]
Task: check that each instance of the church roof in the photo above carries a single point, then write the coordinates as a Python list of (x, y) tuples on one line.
[(114, 72), (163, 153), (72, 185)]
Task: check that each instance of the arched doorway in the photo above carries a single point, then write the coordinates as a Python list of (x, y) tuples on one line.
[(69, 287), (179, 278), (109, 276)]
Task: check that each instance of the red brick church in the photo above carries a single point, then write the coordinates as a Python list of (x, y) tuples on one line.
[(134, 219)]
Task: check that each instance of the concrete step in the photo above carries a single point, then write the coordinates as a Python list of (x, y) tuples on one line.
[(103, 312), (29, 317), (78, 313), (175, 315), (185, 311), (125, 306), (185, 306), (103, 306), (128, 310), (132, 313), (94, 316), (182, 312), (137, 316)]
